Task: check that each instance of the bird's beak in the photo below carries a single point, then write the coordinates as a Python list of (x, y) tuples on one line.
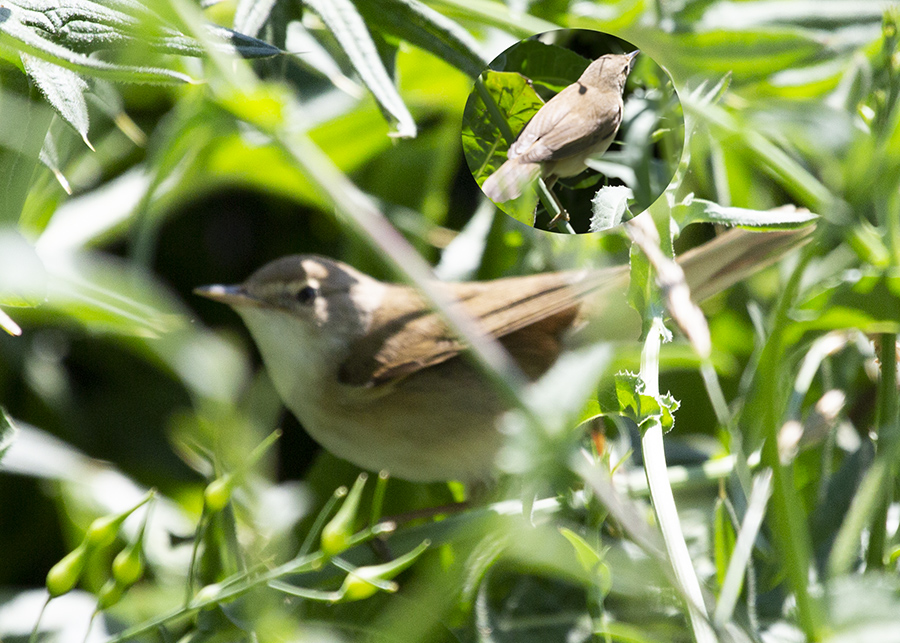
[(632, 56), (234, 296)]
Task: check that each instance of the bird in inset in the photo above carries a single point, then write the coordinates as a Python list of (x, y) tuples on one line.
[(579, 122)]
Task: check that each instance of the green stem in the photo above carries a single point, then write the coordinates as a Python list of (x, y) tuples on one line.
[(662, 497), (496, 116), (886, 431), (788, 518)]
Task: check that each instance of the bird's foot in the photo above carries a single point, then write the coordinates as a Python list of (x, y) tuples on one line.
[(560, 217)]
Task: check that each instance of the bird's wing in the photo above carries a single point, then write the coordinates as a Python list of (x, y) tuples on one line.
[(420, 338), (558, 132), (544, 120)]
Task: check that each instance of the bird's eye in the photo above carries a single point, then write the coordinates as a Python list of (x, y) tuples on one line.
[(306, 295)]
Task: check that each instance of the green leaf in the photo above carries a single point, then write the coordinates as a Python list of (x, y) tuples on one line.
[(64, 90), (747, 55), (548, 65), (86, 27), (868, 302), (693, 210), (426, 28), (591, 560), (23, 130), (494, 116), (724, 538), (343, 20), (23, 278), (20, 32), (610, 207), (251, 15), (7, 432), (631, 402)]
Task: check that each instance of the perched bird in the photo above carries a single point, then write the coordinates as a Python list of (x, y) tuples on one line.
[(579, 122), (377, 377)]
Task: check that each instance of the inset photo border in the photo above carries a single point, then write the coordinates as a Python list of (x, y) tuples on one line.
[(563, 173)]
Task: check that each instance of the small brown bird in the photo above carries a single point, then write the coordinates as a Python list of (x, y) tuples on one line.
[(377, 377), (579, 122)]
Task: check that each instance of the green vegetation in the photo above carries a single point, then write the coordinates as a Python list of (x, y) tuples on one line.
[(146, 149)]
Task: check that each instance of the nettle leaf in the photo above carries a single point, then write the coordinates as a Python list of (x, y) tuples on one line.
[(631, 402), (610, 207), (349, 28), (87, 27), (18, 35), (786, 217), (57, 43), (426, 28), (64, 90), (251, 15)]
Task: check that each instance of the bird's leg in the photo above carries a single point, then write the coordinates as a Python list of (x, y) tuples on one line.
[(560, 217)]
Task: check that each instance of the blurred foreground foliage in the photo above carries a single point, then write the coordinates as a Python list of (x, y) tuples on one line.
[(144, 151)]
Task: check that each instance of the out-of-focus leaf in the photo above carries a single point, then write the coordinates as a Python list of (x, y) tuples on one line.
[(23, 130), (426, 28), (308, 52), (7, 432), (8, 325), (793, 175), (864, 607), (556, 399), (49, 156), (747, 55), (868, 302), (343, 20), (724, 538), (105, 296), (251, 15), (812, 14), (90, 217), (591, 560), (107, 98), (64, 90), (23, 279)]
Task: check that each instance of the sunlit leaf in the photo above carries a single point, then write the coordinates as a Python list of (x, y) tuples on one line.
[(424, 27), (348, 27), (64, 90), (610, 207)]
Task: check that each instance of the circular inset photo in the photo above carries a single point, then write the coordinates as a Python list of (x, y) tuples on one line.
[(573, 131)]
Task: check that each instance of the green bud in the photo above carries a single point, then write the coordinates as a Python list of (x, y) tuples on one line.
[(110, 594), (64, 575), (363, 582), (103, 530), (218, 493), (336, 534), (128, 565), (207, 594)]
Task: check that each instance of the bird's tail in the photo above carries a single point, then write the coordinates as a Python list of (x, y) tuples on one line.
[(510, 179), (733, 256)]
